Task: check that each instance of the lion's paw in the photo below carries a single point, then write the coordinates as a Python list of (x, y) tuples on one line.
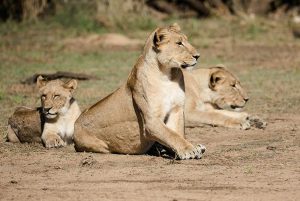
[(257, 122), (195, 153), (245, 124), (52, 141)]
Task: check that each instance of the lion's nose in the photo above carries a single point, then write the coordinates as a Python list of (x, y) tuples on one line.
[(46, 110), (246, 99), (196, 56)]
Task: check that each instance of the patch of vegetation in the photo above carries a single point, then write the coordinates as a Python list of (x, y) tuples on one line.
[(253, 30), (248, 170), (78, 16), (2, 94)]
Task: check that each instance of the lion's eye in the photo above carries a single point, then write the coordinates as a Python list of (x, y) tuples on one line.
[(43, 97), (56, 96), (233, 85), (179, 43)]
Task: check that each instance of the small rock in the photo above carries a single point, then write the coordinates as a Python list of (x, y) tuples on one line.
[(87, 161), (271, 147), (57, 167)]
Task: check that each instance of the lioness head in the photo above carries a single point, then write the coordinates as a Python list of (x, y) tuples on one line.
[(56, 96), (227, 89), (173, 49)]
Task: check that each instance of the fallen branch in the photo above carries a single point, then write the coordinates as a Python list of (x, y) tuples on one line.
[(58, 75)]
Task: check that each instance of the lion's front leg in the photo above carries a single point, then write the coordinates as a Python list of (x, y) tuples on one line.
[(229, 119), (51, 138), (175, 120), (219, 118), (239, 120), (243, 120), (157, 131)]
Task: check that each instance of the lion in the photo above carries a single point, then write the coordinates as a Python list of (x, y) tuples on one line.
[(149, 107), (210, 93), (53, 122)]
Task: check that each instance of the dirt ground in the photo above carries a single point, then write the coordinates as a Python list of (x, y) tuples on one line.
[(238, 165)]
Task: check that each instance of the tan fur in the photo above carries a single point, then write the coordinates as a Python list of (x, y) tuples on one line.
[(53, 123), (210, 93), (25, 125), (147, 108)]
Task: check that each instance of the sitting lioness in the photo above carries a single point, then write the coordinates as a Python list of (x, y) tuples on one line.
[(147, 108), (209, 92), (53, 123)]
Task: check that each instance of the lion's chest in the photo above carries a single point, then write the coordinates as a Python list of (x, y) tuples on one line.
[(172, 97), (168, 97), (65, 127)]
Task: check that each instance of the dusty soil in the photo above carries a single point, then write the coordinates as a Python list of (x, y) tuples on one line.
[(238, 165)]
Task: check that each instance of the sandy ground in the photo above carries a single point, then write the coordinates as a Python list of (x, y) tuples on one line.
[(238, 165)]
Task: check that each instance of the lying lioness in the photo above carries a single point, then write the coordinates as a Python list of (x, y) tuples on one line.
[(149, 107), (209, 92), (53, 123)]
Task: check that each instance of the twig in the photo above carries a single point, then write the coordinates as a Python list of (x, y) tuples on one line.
[(58, 75)]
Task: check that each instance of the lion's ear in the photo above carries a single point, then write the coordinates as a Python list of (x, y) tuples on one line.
[(175, 27), (40, 81), (158, 37), (71, 85), (215, 78), (221, 66)]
